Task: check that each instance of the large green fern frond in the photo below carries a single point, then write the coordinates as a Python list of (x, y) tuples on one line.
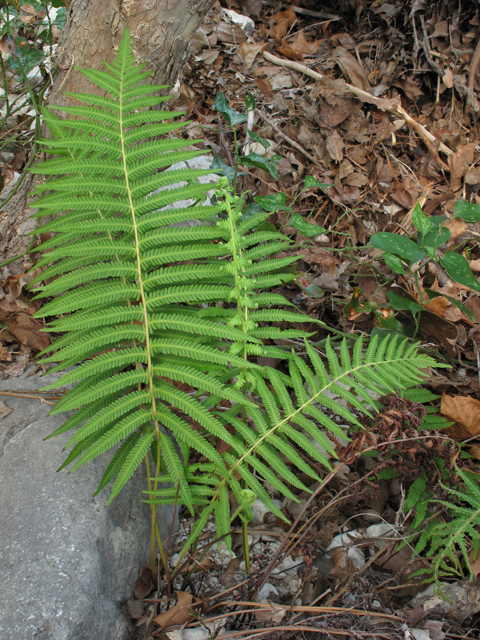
[(112, 234)]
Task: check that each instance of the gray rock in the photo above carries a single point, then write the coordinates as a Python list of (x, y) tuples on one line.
[(200, 162), (67, 563), (7, 156)]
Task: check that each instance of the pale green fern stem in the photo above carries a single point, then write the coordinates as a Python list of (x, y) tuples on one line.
[(153, 506), (242, 309)]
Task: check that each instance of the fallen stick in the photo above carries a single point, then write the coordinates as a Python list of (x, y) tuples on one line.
[(473, 69), (396, 109)]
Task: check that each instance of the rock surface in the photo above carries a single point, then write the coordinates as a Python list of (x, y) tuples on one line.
[(67, 564)]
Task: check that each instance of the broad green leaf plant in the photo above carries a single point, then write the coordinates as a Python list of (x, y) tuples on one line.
[(404, 254), (162, 320)]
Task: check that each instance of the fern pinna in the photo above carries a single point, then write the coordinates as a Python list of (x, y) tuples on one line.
[(161, 319)]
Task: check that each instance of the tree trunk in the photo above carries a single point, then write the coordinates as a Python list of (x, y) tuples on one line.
[(161, 31)]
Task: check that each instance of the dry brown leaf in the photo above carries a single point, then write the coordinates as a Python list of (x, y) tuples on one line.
[(475, 451), (333, 115), (281, 80), (16, 368), (459, 163), (393, 559), (274, 616), (442, 28), (228, 575), (143, 584), (438, 306), (456, 226), (7, 45), (178, 614), (249, 51), (206, 562), (27, 331), (27, 13), (198, 42), (230, 33), (209, 55), (411, 88), (356, 180), (454, 314), (448, 78), (7, 175), (474, 564), (335, 147), (351, 67), (4, 410), (465, 412), (473, 304), (208, 630), (14, 284), (345, 169), (298, 47), (136, 608), (441, 329), (282, 20), (263, 84), (473, 176), (316, 255)]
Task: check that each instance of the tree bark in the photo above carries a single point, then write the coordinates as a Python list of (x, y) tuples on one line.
[(161, 31)]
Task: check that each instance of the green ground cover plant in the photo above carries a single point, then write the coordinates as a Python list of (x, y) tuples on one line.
[(162, 321)]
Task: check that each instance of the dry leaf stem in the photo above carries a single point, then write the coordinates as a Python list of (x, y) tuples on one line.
[(473, 70), (396, 109)]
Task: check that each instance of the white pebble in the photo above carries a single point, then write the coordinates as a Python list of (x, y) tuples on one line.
[(267, 591), (354, 554)]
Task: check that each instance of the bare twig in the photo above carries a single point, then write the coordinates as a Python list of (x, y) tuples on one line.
[(473, 68), (34, 396), (309, 609), (224, 144), (384, 105), (426, 49), (291, 142), (316, 14)]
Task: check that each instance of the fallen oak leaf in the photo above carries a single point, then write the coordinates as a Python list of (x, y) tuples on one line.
[(179, 613), (284, 20), (465, 412), (143, 584)]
